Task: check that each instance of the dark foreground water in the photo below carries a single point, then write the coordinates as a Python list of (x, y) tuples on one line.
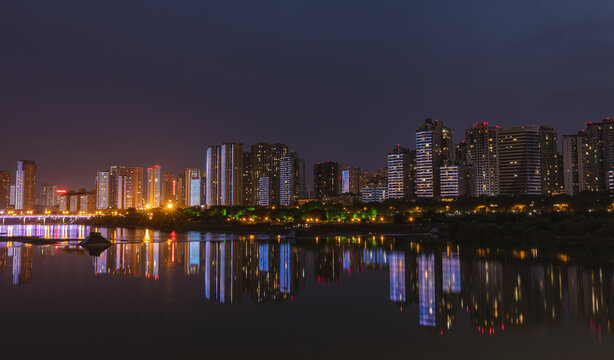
[(171, 295)]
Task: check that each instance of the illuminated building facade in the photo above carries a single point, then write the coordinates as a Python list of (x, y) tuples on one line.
[(572, 145), (519, 160), (551, 173), (192, 187), (287, 195), (399, 175), (224, 167), (351, 180), (248, 180), (588, 158), (263, 192), (49, 197), (265, 160), (133, 187), (291, 179), (73, 202), (452, 182), (212, 175), (116, 187), (87, 202), (230, 188), (482, 159), (326, 179), (25, 185), (5, 189), (102, 190), (601, 141), (181, 197), (154, 183), (169, 188), (12, 196), (434, 146), (374, 193)]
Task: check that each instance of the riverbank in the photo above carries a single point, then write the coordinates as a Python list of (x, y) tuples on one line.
[(584, 229), (325, 229)]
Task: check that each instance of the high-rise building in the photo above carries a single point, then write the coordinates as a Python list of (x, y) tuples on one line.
[(5, 189), (133, 192), (181, 190), (265, 163), (49, 196), (231, 174), (192, 187), (434, 146), (326, 179), (287, 188), (248, 184), (519, 160), (399, 176), (121, 186), (482, 159), (452, 181), (87, 202), (291, 178), (212, 175), (129, 187), (549, 161), (572, 144), (224, 166), (12, 196), (278, 151), (102, 190), (580, 163), (154, 182), (601, 141), (351, 180), (261, 167), (263, 191), (286, 178), (169, 188), (116, 184), (64, 202), (25, 185)]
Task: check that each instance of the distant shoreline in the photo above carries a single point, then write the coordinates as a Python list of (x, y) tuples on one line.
[(272, 229)]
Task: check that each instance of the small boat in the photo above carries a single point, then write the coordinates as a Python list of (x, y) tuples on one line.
[(95, 244)]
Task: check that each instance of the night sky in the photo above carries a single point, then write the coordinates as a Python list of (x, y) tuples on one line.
[(88, 84)]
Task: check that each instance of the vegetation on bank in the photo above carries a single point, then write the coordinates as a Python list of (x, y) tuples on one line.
[(588, 217), (591, 228)]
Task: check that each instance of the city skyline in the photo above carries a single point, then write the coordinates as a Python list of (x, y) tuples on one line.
[(42, 178), (166, 85), (431, 179)]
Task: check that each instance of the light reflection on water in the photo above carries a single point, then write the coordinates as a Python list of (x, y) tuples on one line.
[(46, 231), (441, 284)]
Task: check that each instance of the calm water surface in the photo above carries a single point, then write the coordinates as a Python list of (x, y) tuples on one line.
[(172, 295)]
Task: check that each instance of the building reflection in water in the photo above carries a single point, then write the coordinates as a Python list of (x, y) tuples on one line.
[(426, 284), (18, 259), (509, 290)]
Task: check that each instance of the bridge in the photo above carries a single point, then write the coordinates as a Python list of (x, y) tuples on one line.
[(57, 218)]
